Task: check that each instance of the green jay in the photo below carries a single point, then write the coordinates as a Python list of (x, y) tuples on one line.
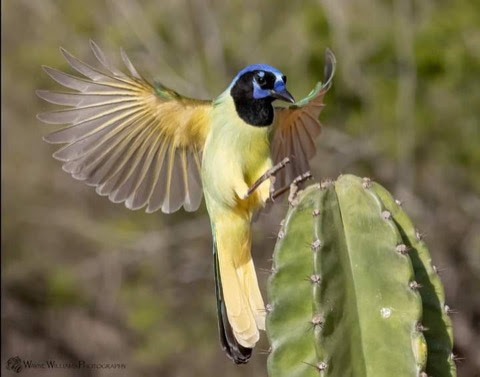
[(148, 146)]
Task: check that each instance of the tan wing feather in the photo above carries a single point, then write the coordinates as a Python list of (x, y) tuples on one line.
[(135, 142), (297, 126)]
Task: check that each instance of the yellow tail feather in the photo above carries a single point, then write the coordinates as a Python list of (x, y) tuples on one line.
[(253, 293), (243, 300)]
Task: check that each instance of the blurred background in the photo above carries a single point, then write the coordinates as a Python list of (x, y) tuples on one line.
[(87, 279)]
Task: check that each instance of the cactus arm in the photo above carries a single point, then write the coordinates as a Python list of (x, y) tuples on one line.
[(341, 300)]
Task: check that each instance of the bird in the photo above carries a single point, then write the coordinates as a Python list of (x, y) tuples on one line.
[(147, 146)]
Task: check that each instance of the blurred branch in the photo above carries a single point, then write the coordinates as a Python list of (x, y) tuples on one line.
[(407, 80), (347, 150), (145, 246), (140, 24), (204, 17), (337, 15)]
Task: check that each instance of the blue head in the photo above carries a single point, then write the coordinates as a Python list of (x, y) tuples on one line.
[(254, 89)]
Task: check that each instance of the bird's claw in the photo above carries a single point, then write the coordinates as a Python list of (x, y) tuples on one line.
[(293, 187), (270, 173)]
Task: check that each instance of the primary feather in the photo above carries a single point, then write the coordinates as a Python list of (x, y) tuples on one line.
[(136, 143)]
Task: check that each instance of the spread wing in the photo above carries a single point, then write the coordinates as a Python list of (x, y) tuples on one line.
[(135, 142), (297, 126)]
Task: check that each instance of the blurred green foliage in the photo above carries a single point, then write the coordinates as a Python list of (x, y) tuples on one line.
[(63, 290), (86, 279)]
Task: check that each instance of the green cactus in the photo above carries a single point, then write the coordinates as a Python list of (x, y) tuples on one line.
[(353, 292)]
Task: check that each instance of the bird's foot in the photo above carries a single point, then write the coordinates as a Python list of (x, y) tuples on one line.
[(269, 174), (293, 187)]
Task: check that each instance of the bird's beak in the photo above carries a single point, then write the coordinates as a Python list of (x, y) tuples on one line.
[(283, 95)]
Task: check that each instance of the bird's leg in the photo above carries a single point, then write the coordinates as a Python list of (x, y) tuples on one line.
[(270, 173), (293, 187)]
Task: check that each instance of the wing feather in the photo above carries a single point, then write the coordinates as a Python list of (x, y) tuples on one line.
[(182, 158), (84, 85), (131, 68), (135, 142), (297, 126), (128, 161), (135, 177), (85, 129), (77, 99), (176, 176), (86, 114), (158, 191), (307, 138), (102, 138), (103, 59), (95, 74), (126, 188), (134, 196), (194, 187), (104, 147)]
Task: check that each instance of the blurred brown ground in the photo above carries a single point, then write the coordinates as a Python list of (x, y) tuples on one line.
[(84, 279)]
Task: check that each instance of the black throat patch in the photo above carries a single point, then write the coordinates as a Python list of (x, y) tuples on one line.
[(255, 112)]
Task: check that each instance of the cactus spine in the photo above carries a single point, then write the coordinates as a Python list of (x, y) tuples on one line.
[(349, 288)]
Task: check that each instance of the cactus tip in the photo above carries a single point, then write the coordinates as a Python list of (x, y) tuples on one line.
[(267, 351), (438, 270), (386, 312), (316, 245), (402, 249), (418, 235), (272, 270), (293, 202), (316, 212), (456, 358), (386, 215), (398, 202), (366, 182), (414, 285), (281, 234), (423, 374), (269, 308), (317, 320), (326, 183), (421, 328), (448, 310), (315, 279), (321, 366)]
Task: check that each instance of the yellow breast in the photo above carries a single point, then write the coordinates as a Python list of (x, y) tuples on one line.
[(236, 154)]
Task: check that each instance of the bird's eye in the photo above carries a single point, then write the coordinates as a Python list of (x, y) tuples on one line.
[(260, 77)]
